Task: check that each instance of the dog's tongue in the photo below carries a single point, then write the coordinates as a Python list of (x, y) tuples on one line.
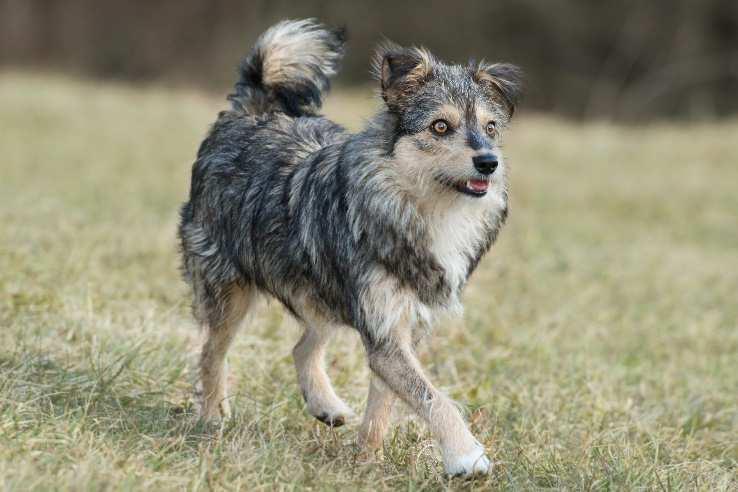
[(478, 185)]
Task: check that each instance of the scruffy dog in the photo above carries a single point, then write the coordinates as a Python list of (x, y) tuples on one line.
[(378, 230)]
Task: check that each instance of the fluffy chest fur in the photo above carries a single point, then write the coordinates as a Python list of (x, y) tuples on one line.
[(458, 234), (456, 238), (461, 232)]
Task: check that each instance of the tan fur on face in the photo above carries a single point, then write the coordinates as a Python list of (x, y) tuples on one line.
[(450, 113), (421, 157), (487, 114)]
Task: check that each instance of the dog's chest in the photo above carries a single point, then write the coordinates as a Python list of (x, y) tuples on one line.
[(456, 238)]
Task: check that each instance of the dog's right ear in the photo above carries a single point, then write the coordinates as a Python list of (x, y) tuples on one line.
[(401, 72)]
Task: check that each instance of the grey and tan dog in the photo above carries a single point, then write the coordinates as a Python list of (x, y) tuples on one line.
[(378, 230)]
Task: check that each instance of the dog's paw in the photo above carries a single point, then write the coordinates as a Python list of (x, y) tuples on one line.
[(334, 415), (332, 420), (469, 464)]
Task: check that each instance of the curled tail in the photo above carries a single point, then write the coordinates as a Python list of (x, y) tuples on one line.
[(289, 69)]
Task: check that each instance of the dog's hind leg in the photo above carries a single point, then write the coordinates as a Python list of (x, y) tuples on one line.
[(322, 401), (377, 414), (395, 362), (380, 401), (221, 319)]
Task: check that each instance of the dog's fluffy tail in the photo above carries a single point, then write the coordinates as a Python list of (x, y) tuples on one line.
[(289, 69)]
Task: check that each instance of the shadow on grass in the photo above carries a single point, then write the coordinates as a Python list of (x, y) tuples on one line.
[(38, 390)]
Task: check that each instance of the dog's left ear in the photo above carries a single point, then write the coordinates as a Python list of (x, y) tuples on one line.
[(401, 72), (504, 80)]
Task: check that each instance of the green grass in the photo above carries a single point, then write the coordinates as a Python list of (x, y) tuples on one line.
[(599, 349)]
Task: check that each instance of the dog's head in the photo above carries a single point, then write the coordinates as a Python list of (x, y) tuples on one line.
[(449, 120)]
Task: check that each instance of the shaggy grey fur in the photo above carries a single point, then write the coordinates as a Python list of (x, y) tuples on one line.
[(285, 200), (287, 203)]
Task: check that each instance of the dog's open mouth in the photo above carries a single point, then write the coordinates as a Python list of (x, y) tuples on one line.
[(473, 187)]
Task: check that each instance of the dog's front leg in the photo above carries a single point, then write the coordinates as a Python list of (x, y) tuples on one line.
[(396, 364)]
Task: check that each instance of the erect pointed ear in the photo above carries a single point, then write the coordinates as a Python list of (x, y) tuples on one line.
[(504, 80), (401, 72)]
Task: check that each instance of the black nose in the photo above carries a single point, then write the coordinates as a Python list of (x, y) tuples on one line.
[(485, 163)]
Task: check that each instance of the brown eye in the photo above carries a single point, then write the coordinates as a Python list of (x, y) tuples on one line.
[(491, 128), (439, 127)]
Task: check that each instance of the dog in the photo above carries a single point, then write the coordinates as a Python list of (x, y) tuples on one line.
[(378, 230)]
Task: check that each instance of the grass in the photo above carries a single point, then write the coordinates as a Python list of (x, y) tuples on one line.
[(599, 349)]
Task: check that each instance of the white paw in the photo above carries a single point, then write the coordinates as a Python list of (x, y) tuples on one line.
[(466, 465)]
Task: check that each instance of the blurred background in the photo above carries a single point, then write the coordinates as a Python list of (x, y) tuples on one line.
[(618, 60)]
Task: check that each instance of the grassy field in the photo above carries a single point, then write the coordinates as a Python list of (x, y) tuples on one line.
[(599, 349)]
